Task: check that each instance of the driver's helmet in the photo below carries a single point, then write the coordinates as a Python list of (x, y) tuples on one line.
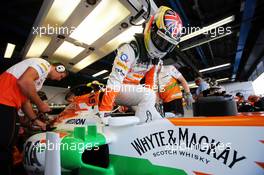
[(163, 30)]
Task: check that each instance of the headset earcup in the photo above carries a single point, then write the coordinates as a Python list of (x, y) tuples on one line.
[(60, 68)]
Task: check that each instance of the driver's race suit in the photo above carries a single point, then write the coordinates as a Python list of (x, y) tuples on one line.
[(123, 86)]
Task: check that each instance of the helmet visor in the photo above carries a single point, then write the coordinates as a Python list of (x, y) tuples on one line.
[(161, 41)]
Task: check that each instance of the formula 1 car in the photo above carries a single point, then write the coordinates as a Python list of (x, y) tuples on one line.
[(80, 144)]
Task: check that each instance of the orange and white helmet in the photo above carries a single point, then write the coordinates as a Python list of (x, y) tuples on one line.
[(163, 30)]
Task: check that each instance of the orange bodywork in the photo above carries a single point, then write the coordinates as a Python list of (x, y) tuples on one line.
[(72, 110), (242, 119)]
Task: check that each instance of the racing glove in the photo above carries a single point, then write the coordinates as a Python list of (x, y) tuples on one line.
[(189, 100)]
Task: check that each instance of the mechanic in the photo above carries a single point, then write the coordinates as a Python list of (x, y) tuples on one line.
[(69, 97), (239, 98), (170, 92), (202, 87), (19, 86), (257, 102), (136, 60)]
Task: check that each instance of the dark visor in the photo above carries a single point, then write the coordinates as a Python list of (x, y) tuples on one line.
[(160, 43)]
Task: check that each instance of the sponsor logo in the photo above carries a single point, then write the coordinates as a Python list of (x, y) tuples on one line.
[(182, 142), (79, 121), (122, 65), (182, 154), (120, 71), (124, 57), (149, 116)]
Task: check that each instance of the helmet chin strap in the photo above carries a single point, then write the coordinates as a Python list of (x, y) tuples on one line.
[(154, 52)]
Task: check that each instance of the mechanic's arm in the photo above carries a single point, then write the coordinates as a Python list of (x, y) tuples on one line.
[(178, 76), (27, 87), (184, 84), (122, 63), (188, 96), (28, 110)]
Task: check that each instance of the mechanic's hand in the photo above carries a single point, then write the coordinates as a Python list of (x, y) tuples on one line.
[(104, 117), (41, 124), (122, 109), (189, 101), (44, 107)]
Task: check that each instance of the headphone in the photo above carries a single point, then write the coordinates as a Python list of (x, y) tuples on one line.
[(60, 68)]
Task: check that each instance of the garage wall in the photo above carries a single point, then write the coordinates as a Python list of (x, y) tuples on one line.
[(246, 88), (55, 95), (258, 85)]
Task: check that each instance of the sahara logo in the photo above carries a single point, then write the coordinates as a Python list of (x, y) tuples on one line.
[(186, 142), (79, 121)]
